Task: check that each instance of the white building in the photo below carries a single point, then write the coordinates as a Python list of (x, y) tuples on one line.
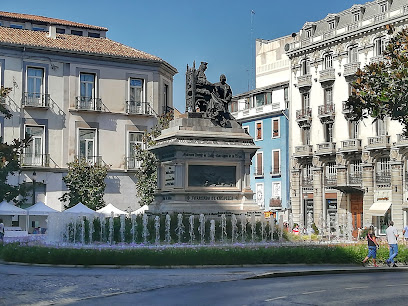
[(78, 94), (340, 166)]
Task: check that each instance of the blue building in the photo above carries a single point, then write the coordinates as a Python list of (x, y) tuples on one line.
[(263, 115)]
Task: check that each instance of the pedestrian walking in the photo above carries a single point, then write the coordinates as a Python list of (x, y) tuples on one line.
[(405, 233), (392, 236), (1, 230), (372, 247)]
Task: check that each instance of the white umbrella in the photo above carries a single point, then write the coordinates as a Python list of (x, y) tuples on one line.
[(108, 209), (140, 210), (40, 209), (7, 209)]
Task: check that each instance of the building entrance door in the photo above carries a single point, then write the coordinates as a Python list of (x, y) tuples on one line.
[(356, 209)]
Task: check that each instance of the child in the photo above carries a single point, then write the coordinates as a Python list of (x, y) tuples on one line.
[(372, 247)]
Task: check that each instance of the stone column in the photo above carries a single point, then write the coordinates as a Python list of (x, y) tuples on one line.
[(368, 187), (397, 189), (296, 195)]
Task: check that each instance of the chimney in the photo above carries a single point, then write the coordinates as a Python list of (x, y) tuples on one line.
[(52, 31)]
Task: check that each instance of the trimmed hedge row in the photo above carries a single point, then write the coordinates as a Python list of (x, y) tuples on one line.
[(209, 255)]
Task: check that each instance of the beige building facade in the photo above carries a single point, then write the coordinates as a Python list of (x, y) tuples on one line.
[(340, 168), (81, 95)]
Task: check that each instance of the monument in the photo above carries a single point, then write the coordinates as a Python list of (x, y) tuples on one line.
[(204, 157)]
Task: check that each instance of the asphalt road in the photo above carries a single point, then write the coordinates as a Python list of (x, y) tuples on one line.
[(347, 289)]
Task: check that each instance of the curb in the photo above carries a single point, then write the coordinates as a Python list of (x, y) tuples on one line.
[(325, 272)]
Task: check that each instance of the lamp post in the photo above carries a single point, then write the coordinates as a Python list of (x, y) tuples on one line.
[(34, 178)]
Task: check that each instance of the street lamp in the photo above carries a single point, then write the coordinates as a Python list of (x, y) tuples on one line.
[(34, 178)]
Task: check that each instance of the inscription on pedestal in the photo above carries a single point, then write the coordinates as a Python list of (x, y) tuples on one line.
[(169, 176), (211, 176)]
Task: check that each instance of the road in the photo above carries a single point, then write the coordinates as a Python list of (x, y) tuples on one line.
[(55, 285)]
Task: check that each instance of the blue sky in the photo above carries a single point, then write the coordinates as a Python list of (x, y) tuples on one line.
[(183, 31)]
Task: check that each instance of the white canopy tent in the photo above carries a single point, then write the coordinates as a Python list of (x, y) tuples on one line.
[(80, 209), (108, 209), (140, 210), (10, 211), (39, 213)]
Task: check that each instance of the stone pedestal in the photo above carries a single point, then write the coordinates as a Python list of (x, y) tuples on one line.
[(203, 168)]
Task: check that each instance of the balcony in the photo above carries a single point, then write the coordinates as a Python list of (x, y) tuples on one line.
[(258, 172), (327, 75), (376, 59), (138, 108), (355, 178), (95, 161), (132, 163), (275, 171), (89, 104), (380, 17), (383, 177), (347, 111), (330, 180), (379, 142), (326, 148), (303, 151), (307, 181), (402, 140), (326, 112), (353, 26), (34, 160), (351, 69), (304, 81), (36, 100), (304, 117), (351, 145)]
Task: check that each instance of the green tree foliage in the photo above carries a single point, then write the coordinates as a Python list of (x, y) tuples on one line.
[(381, 89), (147, 173), (10, 160), (85, 183)]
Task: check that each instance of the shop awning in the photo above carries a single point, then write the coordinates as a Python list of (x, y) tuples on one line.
[(379, 208)]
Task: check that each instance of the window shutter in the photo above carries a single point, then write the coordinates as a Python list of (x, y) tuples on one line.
[(275, 128), (276, 162)]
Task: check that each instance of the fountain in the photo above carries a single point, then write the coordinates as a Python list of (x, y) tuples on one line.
[(111, 228), (157, 229), (253, 227), (212, 231), (234, 228), (223, 227), (145, 232), (243, 227), (122, 228), (180, 227), (167, 236), (201, 228), (191, 222)]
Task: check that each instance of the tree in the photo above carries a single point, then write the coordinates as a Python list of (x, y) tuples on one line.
[(86, 184), (10, 161), (381, 89), (147, 173)]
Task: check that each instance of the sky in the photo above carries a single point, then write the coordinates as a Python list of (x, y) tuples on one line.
[(222, 33)]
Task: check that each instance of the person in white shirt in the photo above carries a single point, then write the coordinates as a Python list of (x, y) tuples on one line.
[(392, 235), (405, 233)]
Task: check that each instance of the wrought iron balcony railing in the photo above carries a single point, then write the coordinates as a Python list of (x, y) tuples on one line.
[(326, 110), (355, 178), (34, 160), (258, 171), (304, 114), (275, 171), (138, 108), (383, 177), (132, 163), (31, 99), (96, 161), (89, 104)]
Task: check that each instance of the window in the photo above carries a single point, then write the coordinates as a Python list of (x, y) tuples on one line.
[(16, 26), (87, 145), (35, 83), (307, 174), (383, 7), (276, 190), (305, 67), (260, 195), (33, 153), (306, 136), (383, 165), (353, 54), (381, 128), (275, 162), (135, 140), (355, 176), (356, 17), (94, 35), (38, 28), (75, 32), (259, 164), (328, 95), (258, 130), (328, 61), (166, 98), (328, 132), (379, 46), (354, 129), (332, 25), (286, 97), (87, 89), (135, 93), (331, 170), (308, 33), (60, 30), (263, 99), (305, 100), (275, 128)]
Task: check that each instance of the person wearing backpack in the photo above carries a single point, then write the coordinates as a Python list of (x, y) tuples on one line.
[(372, 247)]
